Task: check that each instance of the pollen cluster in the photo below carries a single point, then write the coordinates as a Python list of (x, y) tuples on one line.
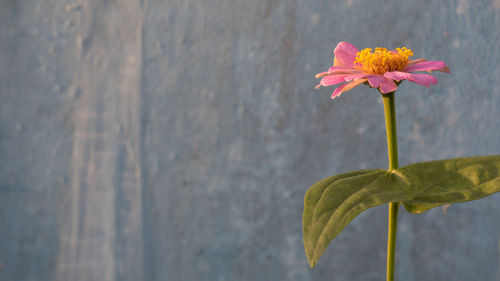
[(382, 60)]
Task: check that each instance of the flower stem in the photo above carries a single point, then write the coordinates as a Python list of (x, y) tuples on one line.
[(390, 126), (392, 149)]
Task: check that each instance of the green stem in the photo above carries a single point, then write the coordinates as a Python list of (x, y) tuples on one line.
[(392, 149), (390, 126)]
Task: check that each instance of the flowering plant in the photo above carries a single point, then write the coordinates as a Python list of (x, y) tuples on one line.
[(332, 203)]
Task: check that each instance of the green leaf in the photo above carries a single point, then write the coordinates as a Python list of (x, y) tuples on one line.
[(451, 181), (331, 204)]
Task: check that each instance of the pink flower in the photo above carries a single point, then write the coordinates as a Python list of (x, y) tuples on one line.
[(380, 69)]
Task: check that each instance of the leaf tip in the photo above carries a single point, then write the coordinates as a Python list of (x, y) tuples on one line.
[(312, 263)]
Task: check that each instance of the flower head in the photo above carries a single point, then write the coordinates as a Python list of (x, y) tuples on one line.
[(380, 68)]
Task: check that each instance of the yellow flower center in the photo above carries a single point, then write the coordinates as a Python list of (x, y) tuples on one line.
[(382, 60)]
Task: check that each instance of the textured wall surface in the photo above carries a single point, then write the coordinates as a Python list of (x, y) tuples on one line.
[(175, 140)]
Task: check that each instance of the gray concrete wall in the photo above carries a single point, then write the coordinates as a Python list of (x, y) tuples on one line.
[(174, 140)]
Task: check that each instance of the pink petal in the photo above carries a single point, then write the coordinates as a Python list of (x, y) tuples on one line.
[(387, 85), (344, 69), (346, 87), (375, 80), (423, 79), (345, 54), (416, 61), (397, 75), (357, 76), (445, 69), (337, 70), (427, 66), (336, 62), (338, 90), (332, 79)]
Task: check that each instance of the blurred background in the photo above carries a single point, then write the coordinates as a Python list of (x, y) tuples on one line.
[(175, 140)]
